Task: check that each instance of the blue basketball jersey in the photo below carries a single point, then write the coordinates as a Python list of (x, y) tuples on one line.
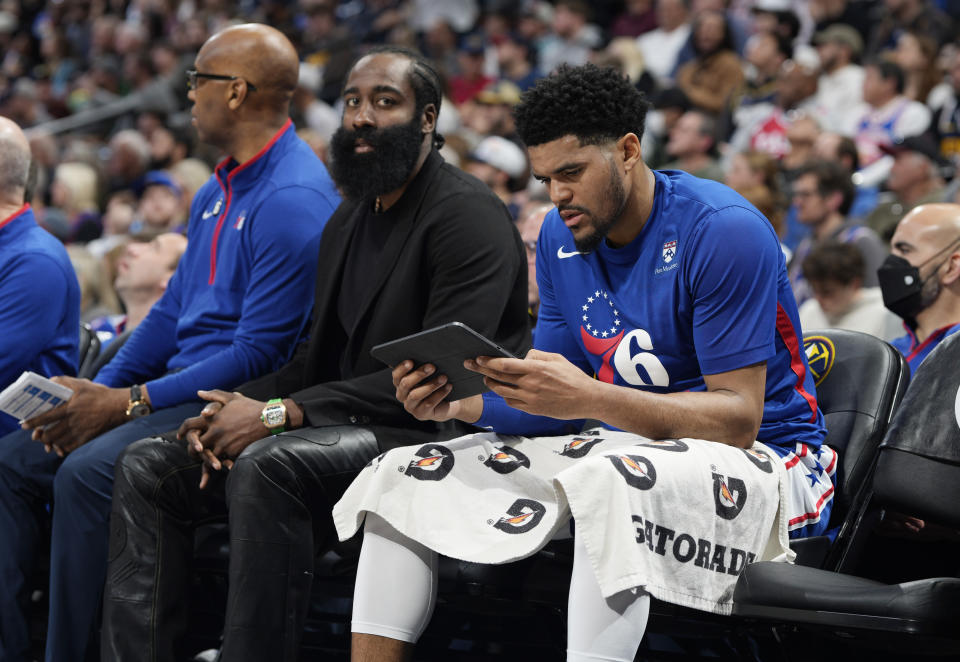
[(703, 289)]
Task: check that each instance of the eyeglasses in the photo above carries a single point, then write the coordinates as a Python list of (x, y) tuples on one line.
[(193, 75), (531, 246)]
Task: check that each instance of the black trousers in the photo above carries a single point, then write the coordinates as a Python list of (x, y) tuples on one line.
[(278, 499)]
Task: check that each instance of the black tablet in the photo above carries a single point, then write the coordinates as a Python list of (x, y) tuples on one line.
[(446, 347)]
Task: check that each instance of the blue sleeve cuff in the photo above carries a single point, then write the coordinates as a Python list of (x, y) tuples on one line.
[(163, 393), (493, 405), (500, 417)]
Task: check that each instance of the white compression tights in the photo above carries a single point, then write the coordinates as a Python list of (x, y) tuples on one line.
[(396, 585), (397, 588), (601, 628)]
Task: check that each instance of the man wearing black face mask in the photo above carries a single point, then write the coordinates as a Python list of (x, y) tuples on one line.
[(416, 244), (920, 280)]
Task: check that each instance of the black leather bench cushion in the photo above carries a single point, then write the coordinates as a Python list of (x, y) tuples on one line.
[(769, 587)]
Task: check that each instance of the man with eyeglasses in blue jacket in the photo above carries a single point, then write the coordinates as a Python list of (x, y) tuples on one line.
[(234, 310)]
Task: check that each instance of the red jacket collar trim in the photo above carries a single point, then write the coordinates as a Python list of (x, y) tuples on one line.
[(256, 157), (17, 214)]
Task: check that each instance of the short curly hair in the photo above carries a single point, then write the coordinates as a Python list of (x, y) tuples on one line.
[(592, 103), (834, 261)]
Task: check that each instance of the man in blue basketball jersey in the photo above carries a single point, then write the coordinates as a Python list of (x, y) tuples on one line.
[(665, 311)]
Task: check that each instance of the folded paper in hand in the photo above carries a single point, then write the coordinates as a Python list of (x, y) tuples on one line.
[(31, 395)]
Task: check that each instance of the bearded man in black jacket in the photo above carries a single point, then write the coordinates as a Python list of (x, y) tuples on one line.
[(416, 244)]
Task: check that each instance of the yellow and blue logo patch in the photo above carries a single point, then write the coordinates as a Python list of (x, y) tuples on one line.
[(821, 353)]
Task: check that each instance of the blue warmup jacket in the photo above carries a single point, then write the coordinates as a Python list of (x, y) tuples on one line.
[(39, 304), (241, 297), (915, 352)]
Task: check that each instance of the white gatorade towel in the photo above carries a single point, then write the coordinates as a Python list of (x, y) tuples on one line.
[(679, 517)]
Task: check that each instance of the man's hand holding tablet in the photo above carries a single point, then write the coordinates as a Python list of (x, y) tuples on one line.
[(430, 375)]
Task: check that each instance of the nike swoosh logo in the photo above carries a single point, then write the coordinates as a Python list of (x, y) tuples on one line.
[(214, 211), (563, 254)]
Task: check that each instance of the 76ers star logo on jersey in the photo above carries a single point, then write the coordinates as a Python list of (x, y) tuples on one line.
[(628, 354), (669, 251), (600, 329)]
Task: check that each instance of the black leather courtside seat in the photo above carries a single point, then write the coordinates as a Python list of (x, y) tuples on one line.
[(918, 474), (89, 348), (860, 382), (104, 355)]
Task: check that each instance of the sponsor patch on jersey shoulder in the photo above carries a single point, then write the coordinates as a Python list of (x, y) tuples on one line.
[(668, 257), (669, 251)]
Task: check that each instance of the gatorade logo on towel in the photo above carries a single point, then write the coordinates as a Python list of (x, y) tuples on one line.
[(729, 495), (637, 470), (506, 460), (434, 464), (673, 445), (579, 446), (522, 516), (759, 459)]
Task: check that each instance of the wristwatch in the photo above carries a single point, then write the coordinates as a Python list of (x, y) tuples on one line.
[(138, 405), (274, 416)]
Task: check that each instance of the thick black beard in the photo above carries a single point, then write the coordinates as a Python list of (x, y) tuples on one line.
[(618, 197), (385, 169)]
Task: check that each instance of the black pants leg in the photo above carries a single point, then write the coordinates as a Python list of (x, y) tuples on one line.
[(280, 494), (156, 506)]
